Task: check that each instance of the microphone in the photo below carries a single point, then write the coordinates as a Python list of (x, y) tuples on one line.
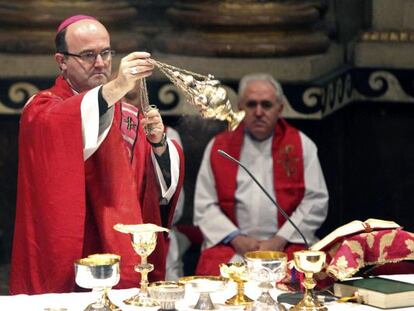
[(225, 154)]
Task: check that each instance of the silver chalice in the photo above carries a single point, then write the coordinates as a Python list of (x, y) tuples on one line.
[(266, 268), (99, 272)]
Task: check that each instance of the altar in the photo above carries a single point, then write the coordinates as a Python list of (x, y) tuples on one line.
[(79, 301)]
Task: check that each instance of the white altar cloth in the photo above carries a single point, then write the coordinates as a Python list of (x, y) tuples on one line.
[(79, 301)]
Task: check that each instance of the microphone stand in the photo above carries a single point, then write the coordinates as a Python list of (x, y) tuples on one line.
[(281, 210)]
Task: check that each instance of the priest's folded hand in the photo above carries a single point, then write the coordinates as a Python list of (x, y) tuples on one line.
[(276, 243), (243, 244)]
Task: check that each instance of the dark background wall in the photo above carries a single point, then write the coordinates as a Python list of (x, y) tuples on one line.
[(367, 154), (8, 182)]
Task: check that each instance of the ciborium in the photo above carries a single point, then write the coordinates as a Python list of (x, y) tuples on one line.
[(143, 240), (266, 268), (167, 293), (237, 272), (204, 92), (204, 285), (309, 262), (99, 272)]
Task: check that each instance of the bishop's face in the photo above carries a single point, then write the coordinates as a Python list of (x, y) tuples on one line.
[(263, 108), (87, 38)]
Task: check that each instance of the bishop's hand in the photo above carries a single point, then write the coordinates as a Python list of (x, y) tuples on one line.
[(154, 128), (132, 67)]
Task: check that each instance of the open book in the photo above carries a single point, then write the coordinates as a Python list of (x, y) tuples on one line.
[(354, 227)]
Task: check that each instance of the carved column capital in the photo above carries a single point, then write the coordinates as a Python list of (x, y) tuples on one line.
[(29, 26), (245, 28)]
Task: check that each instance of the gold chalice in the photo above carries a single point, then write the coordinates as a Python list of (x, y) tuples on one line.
[(309, 262), (204, 285), (266, 268), (236, 272), (167, 293), (98, 272), (144, 240)]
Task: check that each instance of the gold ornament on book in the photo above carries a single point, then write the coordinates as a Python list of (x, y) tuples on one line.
[(204, 92)]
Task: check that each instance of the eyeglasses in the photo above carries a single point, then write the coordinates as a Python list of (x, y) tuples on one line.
[(90, 56), (266, 104)]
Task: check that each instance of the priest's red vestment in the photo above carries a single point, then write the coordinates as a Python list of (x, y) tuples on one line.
[(67, 207)]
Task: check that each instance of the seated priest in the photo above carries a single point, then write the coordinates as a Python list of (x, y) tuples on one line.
[(233, 213), (86, 163)]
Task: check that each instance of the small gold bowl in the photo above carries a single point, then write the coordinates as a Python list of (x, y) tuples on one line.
[(167, 293)]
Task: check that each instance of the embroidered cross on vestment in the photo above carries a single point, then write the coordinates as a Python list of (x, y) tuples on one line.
[(287, 161), (130, 123)]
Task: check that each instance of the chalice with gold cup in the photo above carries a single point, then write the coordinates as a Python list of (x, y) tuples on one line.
[(99, 272), (143, 240), (266, 268), (236, 271), (309, 262)]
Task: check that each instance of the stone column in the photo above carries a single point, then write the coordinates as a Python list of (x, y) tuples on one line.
[(389, 42), (385, 53), (245, 28), (151, 19), (29, 26)]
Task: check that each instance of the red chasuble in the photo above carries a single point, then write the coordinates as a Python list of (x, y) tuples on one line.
[(66, 207), (288, 175)]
